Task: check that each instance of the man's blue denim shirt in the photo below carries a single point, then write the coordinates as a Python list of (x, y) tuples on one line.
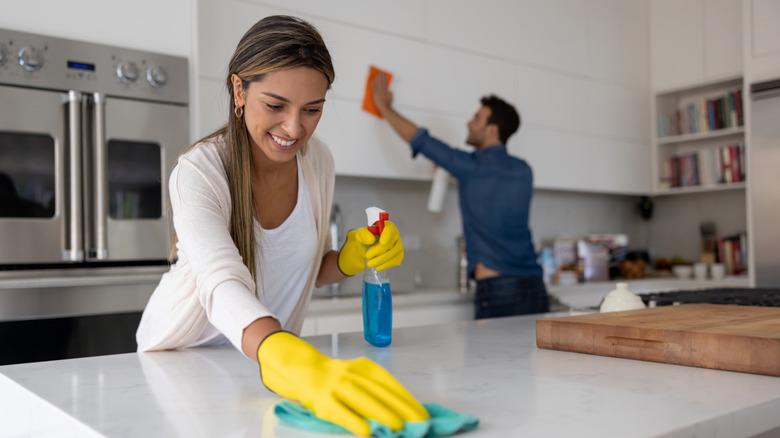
[(494, 189)]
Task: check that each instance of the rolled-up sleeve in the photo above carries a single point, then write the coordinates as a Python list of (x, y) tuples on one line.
[(224, 285), (456, 162)]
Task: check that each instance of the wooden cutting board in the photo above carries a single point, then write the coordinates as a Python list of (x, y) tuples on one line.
[(725, 337)]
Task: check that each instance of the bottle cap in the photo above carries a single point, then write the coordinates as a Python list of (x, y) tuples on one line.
[(376, 218)]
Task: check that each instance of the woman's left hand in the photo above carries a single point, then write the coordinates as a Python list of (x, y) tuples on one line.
[(388, 251)]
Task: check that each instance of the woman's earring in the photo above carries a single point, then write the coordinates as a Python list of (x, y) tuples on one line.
[(238, 111)]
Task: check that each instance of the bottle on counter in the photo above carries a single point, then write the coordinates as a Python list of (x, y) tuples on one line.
[(377, 293)]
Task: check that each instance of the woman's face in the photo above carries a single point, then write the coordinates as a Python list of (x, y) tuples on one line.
[(282, 110)]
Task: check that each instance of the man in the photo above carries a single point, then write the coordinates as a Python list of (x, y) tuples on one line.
[(495, 191)]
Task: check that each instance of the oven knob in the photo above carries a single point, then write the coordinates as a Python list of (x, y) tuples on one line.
[(30, 58), (3, 54), (156, 76), (127, 71)]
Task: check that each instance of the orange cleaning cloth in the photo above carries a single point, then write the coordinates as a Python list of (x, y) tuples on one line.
[(368, 95)]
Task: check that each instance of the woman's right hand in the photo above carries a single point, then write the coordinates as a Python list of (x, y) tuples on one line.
[(344, 392)]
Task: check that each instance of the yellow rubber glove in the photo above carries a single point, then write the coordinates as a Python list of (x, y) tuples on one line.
[(352, 255), (388, 252), (357, 251), (344, 392)]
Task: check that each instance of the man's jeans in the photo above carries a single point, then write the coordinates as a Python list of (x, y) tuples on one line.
[(507, 296)]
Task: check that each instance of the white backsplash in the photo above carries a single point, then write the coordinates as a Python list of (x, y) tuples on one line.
[(433, 265)]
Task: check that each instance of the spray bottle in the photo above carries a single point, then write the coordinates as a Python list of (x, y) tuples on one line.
[(377, 295)]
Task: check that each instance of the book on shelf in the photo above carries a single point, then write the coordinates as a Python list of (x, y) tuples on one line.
[(703, 115), (705, 167), (732, 252)]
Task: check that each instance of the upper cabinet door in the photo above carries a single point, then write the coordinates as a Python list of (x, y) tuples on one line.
[(676, 43), (722, 38), (694, 41), (762, 39)]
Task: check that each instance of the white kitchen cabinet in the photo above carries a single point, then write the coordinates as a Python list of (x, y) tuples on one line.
[(694, 41), (399, 17), (571, 161), (577, 73), (220, 26), (363, 145), (762, 39), (723, 38), (353, 49), (676, 42), (618, 41), (455, 81), (476, 27)]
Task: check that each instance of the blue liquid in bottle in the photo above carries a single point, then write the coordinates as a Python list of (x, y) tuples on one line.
[(377, 309)]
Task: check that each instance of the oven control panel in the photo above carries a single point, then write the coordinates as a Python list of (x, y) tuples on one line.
[(55, 63)]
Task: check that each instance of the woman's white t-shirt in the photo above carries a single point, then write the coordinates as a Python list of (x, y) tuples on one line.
[(285, 258)]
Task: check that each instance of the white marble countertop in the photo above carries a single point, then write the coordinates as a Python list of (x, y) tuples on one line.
[(490, 368)]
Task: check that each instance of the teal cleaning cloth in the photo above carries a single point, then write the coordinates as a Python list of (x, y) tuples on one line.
[(443, 422)]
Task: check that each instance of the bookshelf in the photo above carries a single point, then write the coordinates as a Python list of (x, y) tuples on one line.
[(699, 138), (698, 147)]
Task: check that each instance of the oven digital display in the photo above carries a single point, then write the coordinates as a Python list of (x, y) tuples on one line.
[(83, 66)]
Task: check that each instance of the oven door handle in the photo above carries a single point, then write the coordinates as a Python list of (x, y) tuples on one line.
[(100, 194), (74, 248)]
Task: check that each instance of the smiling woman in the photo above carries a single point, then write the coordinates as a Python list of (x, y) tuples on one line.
[(251, 204)]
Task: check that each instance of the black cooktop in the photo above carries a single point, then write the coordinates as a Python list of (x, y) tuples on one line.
[(741, 296)]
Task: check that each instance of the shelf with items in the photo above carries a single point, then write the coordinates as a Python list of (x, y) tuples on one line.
[(707, 110), (732, 252), (700, 189), (699, 138), (715, 164)]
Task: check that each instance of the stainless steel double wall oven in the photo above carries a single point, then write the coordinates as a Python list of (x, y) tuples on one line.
[(88, 136)]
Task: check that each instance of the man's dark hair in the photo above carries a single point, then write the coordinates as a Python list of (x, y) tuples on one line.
[(502, 115)]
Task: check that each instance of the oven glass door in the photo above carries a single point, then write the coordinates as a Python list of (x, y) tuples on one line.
[(142, 143), (32, 214)]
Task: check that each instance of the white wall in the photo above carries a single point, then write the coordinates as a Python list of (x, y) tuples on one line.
[(158, 26), (577, 72)]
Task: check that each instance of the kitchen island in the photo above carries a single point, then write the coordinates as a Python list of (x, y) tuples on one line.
[(490, 369)]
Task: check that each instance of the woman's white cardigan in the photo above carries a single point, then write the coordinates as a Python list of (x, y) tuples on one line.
[(209, 282)]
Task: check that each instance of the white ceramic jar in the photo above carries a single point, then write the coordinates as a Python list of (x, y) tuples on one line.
[(621, 299)]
